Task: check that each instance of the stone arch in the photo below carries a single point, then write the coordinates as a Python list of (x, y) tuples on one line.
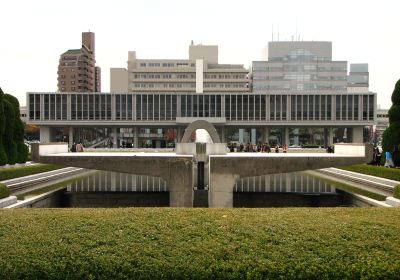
[(201, 124)]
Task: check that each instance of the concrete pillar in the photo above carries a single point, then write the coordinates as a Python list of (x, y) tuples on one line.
[(221, 190), (241, 135), (330, 136), (44, 134), (71, 136), (287, 140), (223, 139), (265, 137), (115, 138), (254, 136), (135, 137), (178, 134), (358, 134)]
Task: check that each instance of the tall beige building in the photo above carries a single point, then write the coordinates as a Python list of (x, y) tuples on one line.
[(77, 71), (200, 73)]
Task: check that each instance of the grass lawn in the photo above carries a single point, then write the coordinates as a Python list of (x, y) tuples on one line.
[(378, 171), (170, 243), (11, 173)]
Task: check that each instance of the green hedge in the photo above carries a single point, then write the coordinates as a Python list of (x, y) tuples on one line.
[(396, 191), (15, 172), (171, 243), (4, 191), (378, 171)]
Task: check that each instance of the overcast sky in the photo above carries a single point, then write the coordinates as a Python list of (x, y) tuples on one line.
[(33, 34)]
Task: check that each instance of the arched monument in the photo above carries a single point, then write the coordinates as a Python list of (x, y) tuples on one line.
[(200, 124)]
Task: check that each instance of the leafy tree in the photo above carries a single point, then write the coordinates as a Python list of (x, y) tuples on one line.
[(3, 155), (18, 130), (391, 136), (8, 136)]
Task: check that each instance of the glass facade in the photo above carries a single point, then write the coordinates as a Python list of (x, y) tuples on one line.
[(235, 108)]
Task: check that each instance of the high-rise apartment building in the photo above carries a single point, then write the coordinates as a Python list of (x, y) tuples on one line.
[(200, 73), (77, 71), (299, 66)]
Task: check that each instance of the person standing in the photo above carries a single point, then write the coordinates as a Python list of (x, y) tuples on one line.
[(284, 148), (389, 161), (277, 148), (79, 147)]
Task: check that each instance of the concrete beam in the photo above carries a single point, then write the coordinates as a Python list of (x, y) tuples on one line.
[(175, 170), (225, 170)]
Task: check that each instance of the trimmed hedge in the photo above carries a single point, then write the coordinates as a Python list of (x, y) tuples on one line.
[(171, 243), (378, 171), (4, 191), (15, 172), (396, 192)]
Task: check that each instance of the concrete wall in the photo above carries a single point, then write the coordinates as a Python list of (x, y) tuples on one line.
[(118, 80)]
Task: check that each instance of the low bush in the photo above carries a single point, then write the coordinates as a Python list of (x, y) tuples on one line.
[(171, 243), (396, 192), (4, 191), (378, 171), (15, 172)]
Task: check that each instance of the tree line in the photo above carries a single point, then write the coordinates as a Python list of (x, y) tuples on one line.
[(12, 147)]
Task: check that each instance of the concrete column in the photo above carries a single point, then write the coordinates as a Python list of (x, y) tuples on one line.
[(223, 139), (358, 134), (254, 136), (221, 190), (44, 134), (71, 136), (241, 135), (178, 134), (287, 140), (135, 137), (180, 184), (265, 137), (115, 138), (330, 136)]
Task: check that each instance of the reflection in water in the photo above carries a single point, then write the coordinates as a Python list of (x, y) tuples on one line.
[(300, 182), (106, 181)]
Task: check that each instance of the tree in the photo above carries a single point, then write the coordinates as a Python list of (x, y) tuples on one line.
[(391, 136), (8, 136), (18, 131), (3, 155)]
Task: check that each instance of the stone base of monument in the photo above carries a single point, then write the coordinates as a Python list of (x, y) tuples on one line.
[(200, 198)]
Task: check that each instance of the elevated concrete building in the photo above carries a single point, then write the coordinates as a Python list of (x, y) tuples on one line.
[(200, 73), (77, 71)]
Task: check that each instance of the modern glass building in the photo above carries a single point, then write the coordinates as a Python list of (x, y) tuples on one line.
[(159, 119)]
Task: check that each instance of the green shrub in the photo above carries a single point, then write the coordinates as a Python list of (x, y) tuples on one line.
[(396, 192), (378, 171), (391, 136), (10, 173), (4, 191), (22, 152), (8, 137), (3, 155), (173, 243)]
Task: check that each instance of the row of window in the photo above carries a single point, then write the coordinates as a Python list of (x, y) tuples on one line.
[(166, 64), (238, 107)]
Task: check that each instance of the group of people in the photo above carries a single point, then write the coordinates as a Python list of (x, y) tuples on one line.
[(77, 147), (256, 148)]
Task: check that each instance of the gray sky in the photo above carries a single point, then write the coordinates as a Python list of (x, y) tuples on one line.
[(33, 34)]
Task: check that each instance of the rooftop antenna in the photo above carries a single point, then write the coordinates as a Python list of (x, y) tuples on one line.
[(272, 32), (278, 32)]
